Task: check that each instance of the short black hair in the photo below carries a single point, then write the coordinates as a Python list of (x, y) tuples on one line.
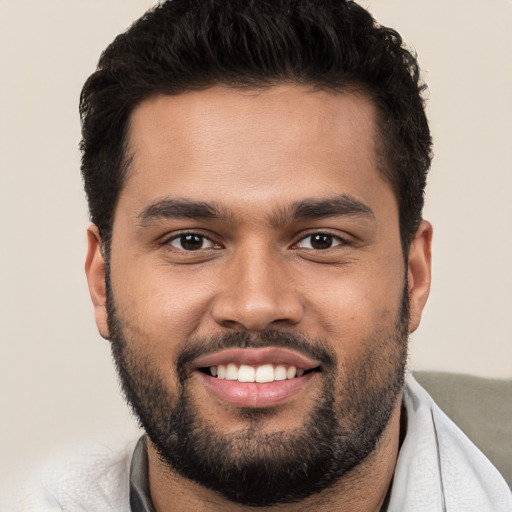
[(184, 45)]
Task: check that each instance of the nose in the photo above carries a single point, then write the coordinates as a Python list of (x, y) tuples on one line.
[(257, 293)]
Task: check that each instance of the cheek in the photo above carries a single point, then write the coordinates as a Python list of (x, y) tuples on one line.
[(355, 308), (160, 307)]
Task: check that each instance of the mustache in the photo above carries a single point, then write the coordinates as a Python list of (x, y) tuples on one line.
[(199, 347)]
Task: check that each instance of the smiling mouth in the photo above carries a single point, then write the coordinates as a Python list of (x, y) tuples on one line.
[(259, 374), (257, 377)]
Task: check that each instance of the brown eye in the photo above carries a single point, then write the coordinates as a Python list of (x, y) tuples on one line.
[(191, 242), (319, 241)]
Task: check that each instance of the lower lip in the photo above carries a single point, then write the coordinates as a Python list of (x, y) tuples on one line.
[(256, 395)]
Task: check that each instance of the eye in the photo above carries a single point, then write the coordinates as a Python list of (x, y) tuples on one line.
[(319, 241), (191, 242)]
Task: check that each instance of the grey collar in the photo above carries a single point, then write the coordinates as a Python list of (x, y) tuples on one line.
[(140, 498)]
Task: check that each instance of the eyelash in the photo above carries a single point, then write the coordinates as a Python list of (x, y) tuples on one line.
[(335, 240), (191, 234)]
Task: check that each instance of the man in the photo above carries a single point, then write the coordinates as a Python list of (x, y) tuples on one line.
[(255, 175)]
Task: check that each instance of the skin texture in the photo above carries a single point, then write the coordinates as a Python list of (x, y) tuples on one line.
[(254, 155)]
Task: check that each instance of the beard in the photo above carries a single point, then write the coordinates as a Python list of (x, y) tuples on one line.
[(252, 467)]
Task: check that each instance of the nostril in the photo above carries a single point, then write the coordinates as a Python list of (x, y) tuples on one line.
[(257, 307)]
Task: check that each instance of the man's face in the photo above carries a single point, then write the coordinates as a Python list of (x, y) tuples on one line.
[(256, 240)]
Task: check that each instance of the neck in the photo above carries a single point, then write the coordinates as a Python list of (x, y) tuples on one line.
[(363, 489)]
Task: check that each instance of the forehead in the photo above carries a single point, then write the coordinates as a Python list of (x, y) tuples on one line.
[(276, 144)]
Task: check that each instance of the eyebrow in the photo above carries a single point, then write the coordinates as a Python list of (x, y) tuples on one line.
[(317, 209), (307, 209), (170, 208)]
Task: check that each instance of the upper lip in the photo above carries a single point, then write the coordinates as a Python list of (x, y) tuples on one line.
[(256, 357)]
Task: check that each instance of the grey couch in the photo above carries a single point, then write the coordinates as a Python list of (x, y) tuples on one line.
[(482, 408)]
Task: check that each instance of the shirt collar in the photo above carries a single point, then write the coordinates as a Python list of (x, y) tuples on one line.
[(140, 498)]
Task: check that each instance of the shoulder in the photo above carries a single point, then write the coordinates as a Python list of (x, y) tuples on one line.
[(89, 479), (439, 464)]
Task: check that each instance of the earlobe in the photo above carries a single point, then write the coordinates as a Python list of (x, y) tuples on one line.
[(419, 273), (95, 272)]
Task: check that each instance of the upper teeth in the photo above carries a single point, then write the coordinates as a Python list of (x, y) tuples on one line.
[(263, 373)]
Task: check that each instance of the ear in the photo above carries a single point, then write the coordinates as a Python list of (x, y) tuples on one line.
[(419, 273), (95, 272)]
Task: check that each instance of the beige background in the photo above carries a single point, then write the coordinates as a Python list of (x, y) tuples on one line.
[(57, 383)]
